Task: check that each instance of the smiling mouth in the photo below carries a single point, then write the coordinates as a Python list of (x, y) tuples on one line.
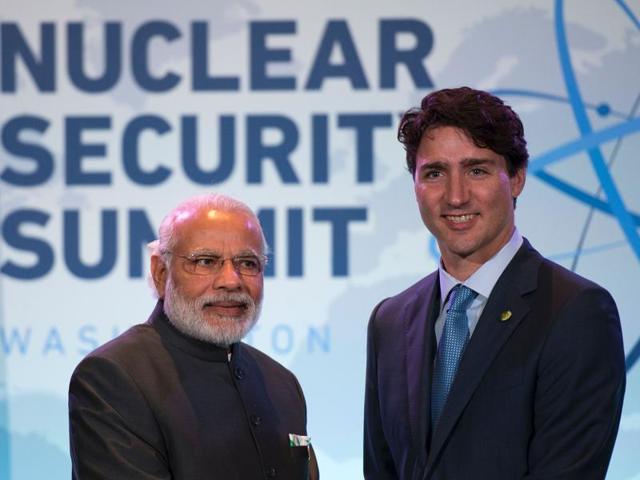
[(460, 218)]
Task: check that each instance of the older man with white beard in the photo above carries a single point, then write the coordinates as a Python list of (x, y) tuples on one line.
[(180, 396)]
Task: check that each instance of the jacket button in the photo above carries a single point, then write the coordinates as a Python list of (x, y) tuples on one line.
[(256, 420), (239, 373), (271, 472)]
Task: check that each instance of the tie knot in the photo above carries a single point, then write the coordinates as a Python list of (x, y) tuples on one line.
[(461, 298)]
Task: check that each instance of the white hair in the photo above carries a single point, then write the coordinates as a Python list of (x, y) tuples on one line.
[(166, 233), (187, 315)]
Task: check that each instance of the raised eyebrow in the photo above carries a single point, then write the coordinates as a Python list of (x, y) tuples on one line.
[(247, 253), (476, 162), (434, 165), (210, 253)]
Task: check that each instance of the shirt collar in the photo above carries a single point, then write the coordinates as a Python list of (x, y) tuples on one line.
[(484, 279)]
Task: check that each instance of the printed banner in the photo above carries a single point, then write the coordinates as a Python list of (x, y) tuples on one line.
[(113, 112)]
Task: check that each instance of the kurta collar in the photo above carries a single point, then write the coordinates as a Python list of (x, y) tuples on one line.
[(197, 348)]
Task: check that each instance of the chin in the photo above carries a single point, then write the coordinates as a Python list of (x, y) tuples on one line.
[(225, 330), (461, 249)]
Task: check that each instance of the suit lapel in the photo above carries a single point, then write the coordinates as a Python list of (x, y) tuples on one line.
[(419, 317), (518, 279)]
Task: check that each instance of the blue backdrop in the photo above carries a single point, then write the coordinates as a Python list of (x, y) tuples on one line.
[(113, 112)]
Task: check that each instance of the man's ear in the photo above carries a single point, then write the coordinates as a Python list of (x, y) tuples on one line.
[(517, 182), (159, 274)]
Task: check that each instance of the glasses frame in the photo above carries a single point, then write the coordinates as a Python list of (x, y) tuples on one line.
[(190, 266)]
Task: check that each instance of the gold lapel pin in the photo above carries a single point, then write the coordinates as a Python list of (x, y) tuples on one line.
[(506, 315)]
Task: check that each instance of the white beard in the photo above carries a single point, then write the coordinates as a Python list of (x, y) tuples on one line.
[(189, 317)]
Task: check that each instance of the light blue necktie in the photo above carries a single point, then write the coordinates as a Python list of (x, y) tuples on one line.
[(455, 336)]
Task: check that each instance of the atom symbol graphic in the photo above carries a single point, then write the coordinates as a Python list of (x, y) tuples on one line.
[(589, 141)]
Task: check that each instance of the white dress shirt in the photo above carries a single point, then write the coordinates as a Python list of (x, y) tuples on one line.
[(482, 281)]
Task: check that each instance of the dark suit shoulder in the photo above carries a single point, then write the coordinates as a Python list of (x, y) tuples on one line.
[(133, 347), (565, 276), (128, 363), (418, 290), (134, 342), (406, 313), (563, 286), (550, 283)]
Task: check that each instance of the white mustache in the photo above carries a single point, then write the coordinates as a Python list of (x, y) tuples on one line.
[(236, 297)]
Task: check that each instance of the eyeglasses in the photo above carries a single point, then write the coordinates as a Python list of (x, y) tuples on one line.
[(208, 264)]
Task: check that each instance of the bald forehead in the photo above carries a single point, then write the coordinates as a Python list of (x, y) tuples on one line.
[(193, 223), (205, 212)]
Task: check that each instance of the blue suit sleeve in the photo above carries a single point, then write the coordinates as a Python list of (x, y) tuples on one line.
[(579, 391)]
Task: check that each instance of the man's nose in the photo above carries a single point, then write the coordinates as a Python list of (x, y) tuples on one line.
[(227, 277), (457, 190)]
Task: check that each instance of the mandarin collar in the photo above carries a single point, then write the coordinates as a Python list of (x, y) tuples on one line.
[(192, 346)]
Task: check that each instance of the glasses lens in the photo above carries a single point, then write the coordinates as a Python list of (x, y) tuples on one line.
[(202, 264), (248, 265)]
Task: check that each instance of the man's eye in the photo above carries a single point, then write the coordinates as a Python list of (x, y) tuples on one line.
[(478, 171), (205, 261), (432, 174), (248, 262)]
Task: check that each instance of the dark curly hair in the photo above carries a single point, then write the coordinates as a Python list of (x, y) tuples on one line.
[(484, 117)]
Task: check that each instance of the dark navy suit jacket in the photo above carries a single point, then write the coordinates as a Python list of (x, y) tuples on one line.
[(537, 395)]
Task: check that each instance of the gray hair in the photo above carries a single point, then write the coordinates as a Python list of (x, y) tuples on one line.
[(216, 201)]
